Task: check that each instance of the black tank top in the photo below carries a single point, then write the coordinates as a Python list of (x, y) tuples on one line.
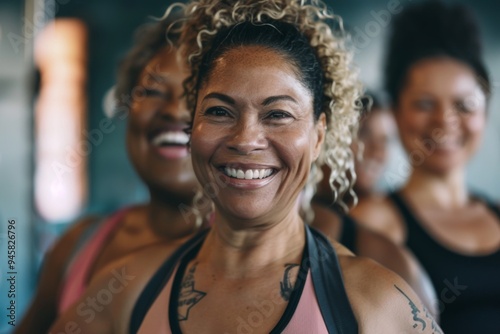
[(319, 257), (467, 287)]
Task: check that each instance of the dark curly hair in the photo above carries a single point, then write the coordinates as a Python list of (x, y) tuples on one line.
[(433, 29), (148, 41)]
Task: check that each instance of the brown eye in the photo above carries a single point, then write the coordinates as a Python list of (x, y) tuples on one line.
[(424, 105), (278, 115), (217, 111), (155, 93)]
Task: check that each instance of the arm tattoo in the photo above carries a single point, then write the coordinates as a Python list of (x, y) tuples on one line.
[(414, 310), (188, 296), (435, 328), (286, 286)]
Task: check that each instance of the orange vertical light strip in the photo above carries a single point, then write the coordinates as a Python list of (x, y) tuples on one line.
[(60, 121)]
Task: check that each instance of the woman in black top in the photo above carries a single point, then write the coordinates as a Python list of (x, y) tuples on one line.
[(440, 89), (375, 131)]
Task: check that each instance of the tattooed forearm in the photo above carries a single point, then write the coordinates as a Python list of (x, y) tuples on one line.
[(414, 310), (188, 296), (287, 285)]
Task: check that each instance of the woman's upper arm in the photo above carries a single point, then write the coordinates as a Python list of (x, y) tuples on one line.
[(43, 309)]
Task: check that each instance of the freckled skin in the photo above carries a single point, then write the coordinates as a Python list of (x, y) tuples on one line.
[(250, 75)]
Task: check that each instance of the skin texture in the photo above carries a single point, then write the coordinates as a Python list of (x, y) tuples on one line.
[(247, 254), (156, 108), (441, 117)]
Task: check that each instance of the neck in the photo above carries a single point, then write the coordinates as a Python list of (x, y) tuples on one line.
[(247, 252), (362, 193), (170, 219), (446, 191)]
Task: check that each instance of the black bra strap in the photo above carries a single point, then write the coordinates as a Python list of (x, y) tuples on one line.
[(348, 233), (494, 208), (158, 282), (329, 286)]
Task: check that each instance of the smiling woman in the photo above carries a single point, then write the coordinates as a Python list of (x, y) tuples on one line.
[(272, 93), (440, 90), (259, 120), (149, 86)]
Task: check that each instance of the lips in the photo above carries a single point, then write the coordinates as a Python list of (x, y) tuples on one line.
[(171, 144)]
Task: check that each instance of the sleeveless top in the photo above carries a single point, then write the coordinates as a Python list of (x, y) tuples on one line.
[(318, 304), (467, 287), (77, 274)]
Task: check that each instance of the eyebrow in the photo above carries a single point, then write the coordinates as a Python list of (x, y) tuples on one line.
[(277, 98), (221, 97), (160, 78), (266, 102)]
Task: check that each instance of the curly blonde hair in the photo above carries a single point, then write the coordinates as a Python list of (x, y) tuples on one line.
[(204, 19)]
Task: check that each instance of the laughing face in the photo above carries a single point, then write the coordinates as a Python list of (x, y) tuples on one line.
[(156, 141), (254, 134), (441, 114)]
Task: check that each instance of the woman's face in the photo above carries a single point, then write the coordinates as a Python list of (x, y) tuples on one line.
[(254, 136), (156, 142), (441, 115), (375, 133)]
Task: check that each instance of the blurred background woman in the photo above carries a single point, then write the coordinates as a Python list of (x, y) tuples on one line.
[(440, 90), (149, 89), (371, 152)]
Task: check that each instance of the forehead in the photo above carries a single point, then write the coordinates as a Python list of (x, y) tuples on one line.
[(444, 76), (255, 69), (164, 64)]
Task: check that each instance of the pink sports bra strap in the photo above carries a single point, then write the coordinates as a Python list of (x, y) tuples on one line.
[(78, 272)]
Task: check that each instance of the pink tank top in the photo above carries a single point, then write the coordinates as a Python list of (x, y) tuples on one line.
[(307, 317), (76, 279)]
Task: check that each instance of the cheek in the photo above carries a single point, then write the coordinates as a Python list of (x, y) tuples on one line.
[(137, 118), (475, 124), (203, 145), (296, 147)]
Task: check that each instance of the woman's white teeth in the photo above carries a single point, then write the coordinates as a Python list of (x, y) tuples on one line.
[(171, 137), (249, 174)]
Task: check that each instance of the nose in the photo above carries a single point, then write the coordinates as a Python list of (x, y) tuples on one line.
[(174, 108), (446, 116), (377, 149), (247, 136)]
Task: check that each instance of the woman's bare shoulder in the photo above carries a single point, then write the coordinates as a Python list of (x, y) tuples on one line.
[(107, 304), (382, 301)]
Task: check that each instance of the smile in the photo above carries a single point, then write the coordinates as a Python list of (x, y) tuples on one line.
[(170, 138), (248, 174)]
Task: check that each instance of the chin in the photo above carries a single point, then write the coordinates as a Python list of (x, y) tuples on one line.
[(443, 166), (241, 211)]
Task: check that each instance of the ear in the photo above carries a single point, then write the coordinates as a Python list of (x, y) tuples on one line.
[(320, 130)]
